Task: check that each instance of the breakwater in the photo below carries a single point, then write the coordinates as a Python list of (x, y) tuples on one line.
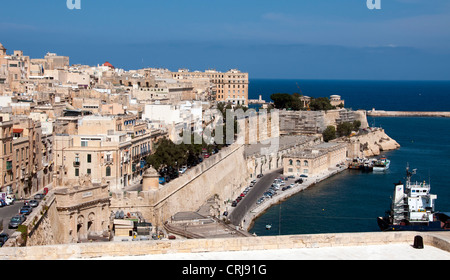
[(382, 113)]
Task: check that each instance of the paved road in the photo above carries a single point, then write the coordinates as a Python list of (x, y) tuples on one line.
[(252, 196), (7, 212)]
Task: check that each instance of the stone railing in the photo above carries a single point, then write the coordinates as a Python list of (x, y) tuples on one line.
[(118, 249)]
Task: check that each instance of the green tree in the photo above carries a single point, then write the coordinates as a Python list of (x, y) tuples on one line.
[(356, 125), (281, 100), (344, 129), (320, 104), (329, 133)]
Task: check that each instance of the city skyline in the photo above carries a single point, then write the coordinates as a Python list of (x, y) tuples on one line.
[(405, 40)]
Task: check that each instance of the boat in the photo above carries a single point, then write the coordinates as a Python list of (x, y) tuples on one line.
[(382, 164), (356, 164), (412, 209), (368, 165)]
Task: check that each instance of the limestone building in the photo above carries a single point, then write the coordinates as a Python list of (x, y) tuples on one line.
[(230, 86), (83, 212), (109, 148), (314, 160)]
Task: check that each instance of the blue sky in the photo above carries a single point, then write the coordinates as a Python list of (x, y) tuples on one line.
[(301, 39)]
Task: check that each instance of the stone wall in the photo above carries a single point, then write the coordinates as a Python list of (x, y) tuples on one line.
[(312, 122), (117, 249), (223, 175), (370, 144)]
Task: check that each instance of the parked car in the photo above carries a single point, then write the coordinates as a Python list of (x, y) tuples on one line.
[(16, 221), (33, 203), (259, 175), (26, 210), (3, 238), (299, 181), (182, 169), (304, 176), (2, 203), (234, 203), (39, 196), (9, 199), (162, 180)]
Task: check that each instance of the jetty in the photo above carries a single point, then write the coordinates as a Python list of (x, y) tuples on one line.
[(382, 113), (257, 101)]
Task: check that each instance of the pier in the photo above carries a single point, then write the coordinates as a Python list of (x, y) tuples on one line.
[(382, 113), (257, 101)]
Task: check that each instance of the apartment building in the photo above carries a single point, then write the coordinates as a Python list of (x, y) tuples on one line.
[(6, 154), (230, 86), (105, 149)]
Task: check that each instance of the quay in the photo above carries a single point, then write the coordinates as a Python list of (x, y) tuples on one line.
[(382, 113), (255, 210)]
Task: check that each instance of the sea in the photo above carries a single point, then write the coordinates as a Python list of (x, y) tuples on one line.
[(352, 200)]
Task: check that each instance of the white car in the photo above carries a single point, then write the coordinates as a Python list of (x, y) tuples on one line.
[(9, 200)]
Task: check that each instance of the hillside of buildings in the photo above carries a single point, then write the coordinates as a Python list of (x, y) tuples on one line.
[(85, 133)]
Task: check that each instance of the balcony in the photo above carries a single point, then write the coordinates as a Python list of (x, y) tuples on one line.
[(76, 164)]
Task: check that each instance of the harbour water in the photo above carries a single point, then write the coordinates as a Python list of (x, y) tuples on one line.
[(351, 201)]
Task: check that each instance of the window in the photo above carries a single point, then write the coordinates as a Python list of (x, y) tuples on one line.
[(89, 158), (290, 162), (88, 171), (77, 172), (84, 143), (108, 171), (305, 163)]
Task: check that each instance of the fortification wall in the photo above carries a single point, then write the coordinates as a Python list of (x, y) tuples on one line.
[(117, 249), (371, 144), (223, 175)]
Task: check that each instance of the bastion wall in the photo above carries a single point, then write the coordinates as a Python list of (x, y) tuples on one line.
[(222, 176)]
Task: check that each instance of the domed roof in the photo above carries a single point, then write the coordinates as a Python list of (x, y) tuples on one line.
[(108, 64)]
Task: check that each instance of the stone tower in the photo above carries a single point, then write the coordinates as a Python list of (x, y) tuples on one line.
[(150, 180)]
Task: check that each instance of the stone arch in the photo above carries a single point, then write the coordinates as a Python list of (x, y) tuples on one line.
[(81, 227), (91, 222)]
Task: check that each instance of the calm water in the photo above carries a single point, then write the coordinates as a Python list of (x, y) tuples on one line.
[(382, 95), (351, 201)]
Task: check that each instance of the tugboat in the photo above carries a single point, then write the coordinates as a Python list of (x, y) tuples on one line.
[(412, 209), (382, 164)]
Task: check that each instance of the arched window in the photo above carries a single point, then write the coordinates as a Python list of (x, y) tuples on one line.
[(305, 163), (290, 162), (298, 162), (108, 171)]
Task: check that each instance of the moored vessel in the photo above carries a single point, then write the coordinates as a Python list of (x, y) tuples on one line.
[(382, 164), (412, 209)]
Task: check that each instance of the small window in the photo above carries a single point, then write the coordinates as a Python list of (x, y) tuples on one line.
[(89, 158), (89, 171), (77, 172), (108, 171)]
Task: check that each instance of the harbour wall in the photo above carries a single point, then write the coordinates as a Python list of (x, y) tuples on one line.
[(118, 249), (382, 113)]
